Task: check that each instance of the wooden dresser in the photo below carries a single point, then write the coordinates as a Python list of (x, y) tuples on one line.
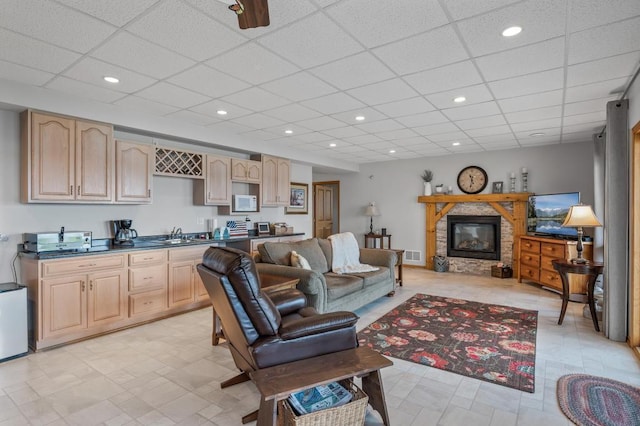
[(536, 254)]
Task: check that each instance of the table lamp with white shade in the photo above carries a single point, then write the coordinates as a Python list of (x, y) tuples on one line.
[(580, 216), (371, 211)]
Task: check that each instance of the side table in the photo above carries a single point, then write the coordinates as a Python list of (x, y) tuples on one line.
[(399, 255), (592, 270), (371, 240)]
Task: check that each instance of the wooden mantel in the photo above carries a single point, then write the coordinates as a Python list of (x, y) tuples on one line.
[(518, 218)]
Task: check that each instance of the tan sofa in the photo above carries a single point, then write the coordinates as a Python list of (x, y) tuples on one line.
[(325, 290)]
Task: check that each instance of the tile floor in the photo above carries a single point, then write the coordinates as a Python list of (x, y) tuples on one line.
[(167, 372)]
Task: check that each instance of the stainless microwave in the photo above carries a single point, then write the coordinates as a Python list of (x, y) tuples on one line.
[(245, 203)]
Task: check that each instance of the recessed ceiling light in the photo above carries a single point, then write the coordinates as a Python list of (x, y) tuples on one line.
[(459, 99), (110, 79), (333, 145), (511, 31), (360, 117), (288, 131), (456, 144), (221, 112), (392, 151), (535, 135)]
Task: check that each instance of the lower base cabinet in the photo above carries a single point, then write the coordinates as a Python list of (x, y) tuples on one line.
[(185, 285)]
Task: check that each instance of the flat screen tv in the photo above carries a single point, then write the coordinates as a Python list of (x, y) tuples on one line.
[(546, 212)]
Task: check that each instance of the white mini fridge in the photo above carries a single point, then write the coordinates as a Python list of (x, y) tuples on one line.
[(13, 321)]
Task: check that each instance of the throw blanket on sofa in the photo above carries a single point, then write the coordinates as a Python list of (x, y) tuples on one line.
[(346, 255)]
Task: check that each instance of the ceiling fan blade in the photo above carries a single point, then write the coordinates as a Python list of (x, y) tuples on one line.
[(256, 14)]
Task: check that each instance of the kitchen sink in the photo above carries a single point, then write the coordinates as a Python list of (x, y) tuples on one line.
[(173, 241)]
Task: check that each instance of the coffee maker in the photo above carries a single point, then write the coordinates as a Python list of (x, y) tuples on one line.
[(123, 233)]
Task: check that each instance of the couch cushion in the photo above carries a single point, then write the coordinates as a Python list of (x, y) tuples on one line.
[(280, 253), (340, 285), (325, 245), (374, 277)]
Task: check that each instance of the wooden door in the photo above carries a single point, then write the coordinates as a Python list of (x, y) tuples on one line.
[(254, 171), (239, 170), (134, 172), (64, 305), (94, 161), (323, 211), (181, 287), (218, 181), (52, 158), (269, 181), (107, 301), (283, 182)]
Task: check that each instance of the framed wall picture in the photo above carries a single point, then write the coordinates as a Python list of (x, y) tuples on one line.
[(299, 199), (497, 187)]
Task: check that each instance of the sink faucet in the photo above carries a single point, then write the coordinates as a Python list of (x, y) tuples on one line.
[(175, 233)]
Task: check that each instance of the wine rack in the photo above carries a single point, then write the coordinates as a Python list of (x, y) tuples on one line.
[(173, 162)]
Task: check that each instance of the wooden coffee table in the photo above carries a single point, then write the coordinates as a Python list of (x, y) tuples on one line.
[(271, 282), (278, 382)]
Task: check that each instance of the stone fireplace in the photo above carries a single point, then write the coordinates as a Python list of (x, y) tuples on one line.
[(473, 237)]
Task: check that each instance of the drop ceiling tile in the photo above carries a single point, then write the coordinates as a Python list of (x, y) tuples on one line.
[(83, 90), (474, 94), (333, 104), (592, 13), (193, 117), (478, 123), (470, 146), (550, 132), (299, 87), (116, 12), (460, 9), (528, 84), (349, 149), (431, 150), (181, 28), (344, 132), (449, 137), (594, 91), (363, 140), (92, 71), (383, 92), (22, 50), (138, 104), (292, 112), (256, 99), (500, 146), (9, 71), (534, 114), (436, 129), (495, 139), (445, 78), (311, 41), (538, 142), (321, 123), (585, 107), (396, 134), (230, 127), (279, 130), (541, 56), (409, 143), (489, 131), (604, 41), (257, 121), (423, 51), (380, 126), (208, 81), (536, 125), (172, 95), (405, 107), (538, 100), (540, 20), (369, 114), (472, 111), (353, 71), (211, 109), (603, 69), (54, 24), (136, 54), (600, 116), (253, 63), (314, 137), (261, 135), (425, 119), (379, 145), (367, 23), (595, 127)]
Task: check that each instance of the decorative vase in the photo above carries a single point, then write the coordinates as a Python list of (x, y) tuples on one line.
[(427, 188)]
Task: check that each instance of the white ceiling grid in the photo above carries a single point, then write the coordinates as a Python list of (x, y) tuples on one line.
[(323, 62)]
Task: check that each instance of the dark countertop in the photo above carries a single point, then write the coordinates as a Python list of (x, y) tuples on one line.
[(106, 246)]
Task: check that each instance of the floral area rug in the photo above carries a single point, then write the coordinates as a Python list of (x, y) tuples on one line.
[(487, 342), (598, 401)]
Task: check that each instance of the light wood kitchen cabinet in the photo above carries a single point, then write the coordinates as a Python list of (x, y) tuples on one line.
[(249, 171), (134, 172), (65, 159), (147, 282), (185, 285), (215, 189), (275, 181)]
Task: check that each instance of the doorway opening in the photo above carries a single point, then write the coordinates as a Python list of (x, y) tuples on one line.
[(326, 208)]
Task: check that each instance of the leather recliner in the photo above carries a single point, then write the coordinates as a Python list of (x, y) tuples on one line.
[(264, 329)]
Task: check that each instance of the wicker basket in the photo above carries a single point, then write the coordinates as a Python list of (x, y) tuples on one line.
[(350, 414), (501, 272)]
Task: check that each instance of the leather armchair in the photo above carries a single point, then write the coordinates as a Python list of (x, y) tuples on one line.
[(264, 329)]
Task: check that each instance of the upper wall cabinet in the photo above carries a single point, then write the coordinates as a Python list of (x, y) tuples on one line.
[(249, 171), (275, 181), (65, 160), (134, 172), (215, 190)]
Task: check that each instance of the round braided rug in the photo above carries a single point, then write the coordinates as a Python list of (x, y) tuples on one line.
[(597, 401)]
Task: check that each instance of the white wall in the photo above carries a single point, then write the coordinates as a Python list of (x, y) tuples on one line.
[(172, 203), (395, 185), (634, 103)]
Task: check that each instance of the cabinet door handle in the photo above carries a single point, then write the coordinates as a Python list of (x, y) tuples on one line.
[(90, 285), (78, 192), (82, 285), (87, 265), (71, 189), (149, 193)]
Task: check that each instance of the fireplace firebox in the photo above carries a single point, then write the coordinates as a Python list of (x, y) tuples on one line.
[(475, 237)]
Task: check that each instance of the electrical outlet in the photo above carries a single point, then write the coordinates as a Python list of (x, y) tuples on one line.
[(4, 238), (200, 221)]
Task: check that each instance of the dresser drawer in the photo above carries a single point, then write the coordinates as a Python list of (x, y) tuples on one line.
[(149, 278), (555, 251), (528, 272), (82, 264), (147, 257), (530, 246), (188, 253), (551, 279), (545, 263), (530, 259), (151, 301)]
